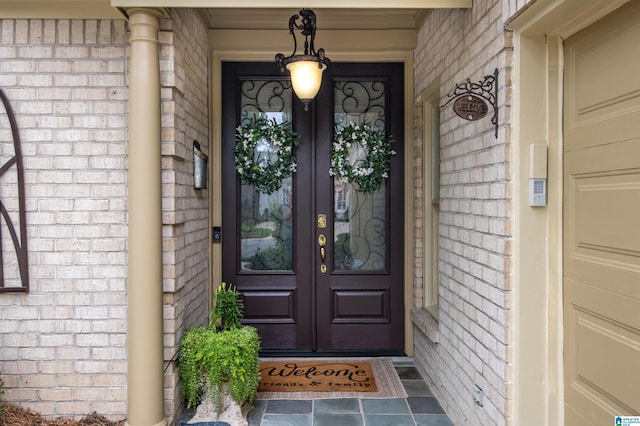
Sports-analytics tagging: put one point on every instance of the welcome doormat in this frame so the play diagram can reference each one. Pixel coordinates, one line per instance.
(329, 378)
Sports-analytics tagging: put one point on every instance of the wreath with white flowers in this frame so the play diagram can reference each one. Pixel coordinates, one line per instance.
(266, 175)
(369, 172)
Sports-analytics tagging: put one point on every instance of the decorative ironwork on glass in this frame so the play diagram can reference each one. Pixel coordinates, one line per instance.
(266, 219)
(268, 98)
(360, 219)
(360, 102)
(14, 265)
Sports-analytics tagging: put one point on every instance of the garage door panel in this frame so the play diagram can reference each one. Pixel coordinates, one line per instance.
(602, 102)
(605, 340)
(602, 238)
(572, 417)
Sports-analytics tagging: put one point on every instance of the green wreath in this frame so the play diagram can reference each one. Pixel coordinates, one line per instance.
(266, 175)
(370, 172)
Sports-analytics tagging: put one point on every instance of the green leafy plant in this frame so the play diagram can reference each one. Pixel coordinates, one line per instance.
(223, 354)
(228, 309)
(270, 259)
(2, 406)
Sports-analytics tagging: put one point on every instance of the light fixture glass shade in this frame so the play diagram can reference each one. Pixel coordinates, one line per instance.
(306, 77)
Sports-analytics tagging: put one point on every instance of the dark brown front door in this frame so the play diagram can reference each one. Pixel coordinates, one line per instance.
(271, 248)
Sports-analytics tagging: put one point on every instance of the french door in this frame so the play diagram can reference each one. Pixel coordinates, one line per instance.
(319, 263)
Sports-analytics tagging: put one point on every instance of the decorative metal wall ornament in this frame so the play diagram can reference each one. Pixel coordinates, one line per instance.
(306, 70)
(470, 99)
(19, 241)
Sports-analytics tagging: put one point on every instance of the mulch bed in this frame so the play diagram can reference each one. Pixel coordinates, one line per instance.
(18, 416)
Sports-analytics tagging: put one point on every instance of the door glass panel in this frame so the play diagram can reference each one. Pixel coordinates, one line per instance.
(266, 220)
(360, 236)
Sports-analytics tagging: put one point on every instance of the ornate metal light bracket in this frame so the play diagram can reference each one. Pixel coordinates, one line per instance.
(19, 241)
(308, 30)
(470, 99)
(306, 69)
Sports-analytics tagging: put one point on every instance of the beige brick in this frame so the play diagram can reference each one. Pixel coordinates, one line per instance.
(77, 31)
(44, 408)
(75, 408)
(74, 380)
(37, 381)
(54, 395)
(74, 141)
(19, 394)
(475, 202)
(35, 52)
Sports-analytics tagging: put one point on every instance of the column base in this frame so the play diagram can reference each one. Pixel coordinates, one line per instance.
(162, 423)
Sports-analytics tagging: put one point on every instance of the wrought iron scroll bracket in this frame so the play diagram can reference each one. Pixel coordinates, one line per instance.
(18, 236)
(470, 99)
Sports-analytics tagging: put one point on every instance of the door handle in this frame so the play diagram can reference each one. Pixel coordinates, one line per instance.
(322, 241)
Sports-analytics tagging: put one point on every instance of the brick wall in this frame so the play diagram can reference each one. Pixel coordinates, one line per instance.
(185, 118)
(63, 345)
(475, 321)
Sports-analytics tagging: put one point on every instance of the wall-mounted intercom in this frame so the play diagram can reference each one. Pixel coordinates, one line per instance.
(537, 175)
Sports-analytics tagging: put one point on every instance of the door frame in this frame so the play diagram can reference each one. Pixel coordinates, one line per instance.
(538, 372)
(341, 46)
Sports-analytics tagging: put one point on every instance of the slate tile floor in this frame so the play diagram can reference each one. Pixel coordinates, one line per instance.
(420, 408)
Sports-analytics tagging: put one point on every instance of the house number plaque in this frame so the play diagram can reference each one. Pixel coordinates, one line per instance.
(471, 100)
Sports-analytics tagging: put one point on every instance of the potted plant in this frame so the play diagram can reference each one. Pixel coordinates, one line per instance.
(222, 358)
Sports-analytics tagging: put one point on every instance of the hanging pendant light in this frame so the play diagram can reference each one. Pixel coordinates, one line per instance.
(306, 70)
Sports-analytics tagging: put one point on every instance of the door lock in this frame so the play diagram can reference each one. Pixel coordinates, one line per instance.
(322, 221)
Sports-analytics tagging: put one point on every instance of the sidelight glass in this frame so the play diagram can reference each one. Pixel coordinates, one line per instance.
(360, 219)
(266, 220)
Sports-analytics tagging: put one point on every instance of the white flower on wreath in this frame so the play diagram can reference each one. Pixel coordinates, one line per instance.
(367, 173)
(266, 176)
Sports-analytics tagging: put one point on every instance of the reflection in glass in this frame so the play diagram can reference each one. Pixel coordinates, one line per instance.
(360, 237)
(266, 220)
(266, 228)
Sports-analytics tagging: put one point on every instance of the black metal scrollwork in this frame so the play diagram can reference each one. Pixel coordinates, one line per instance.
(19, 236)
(363, 101)
(469, 99)
(259, 97)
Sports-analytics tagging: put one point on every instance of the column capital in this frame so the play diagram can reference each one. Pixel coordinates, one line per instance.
(150, 12)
